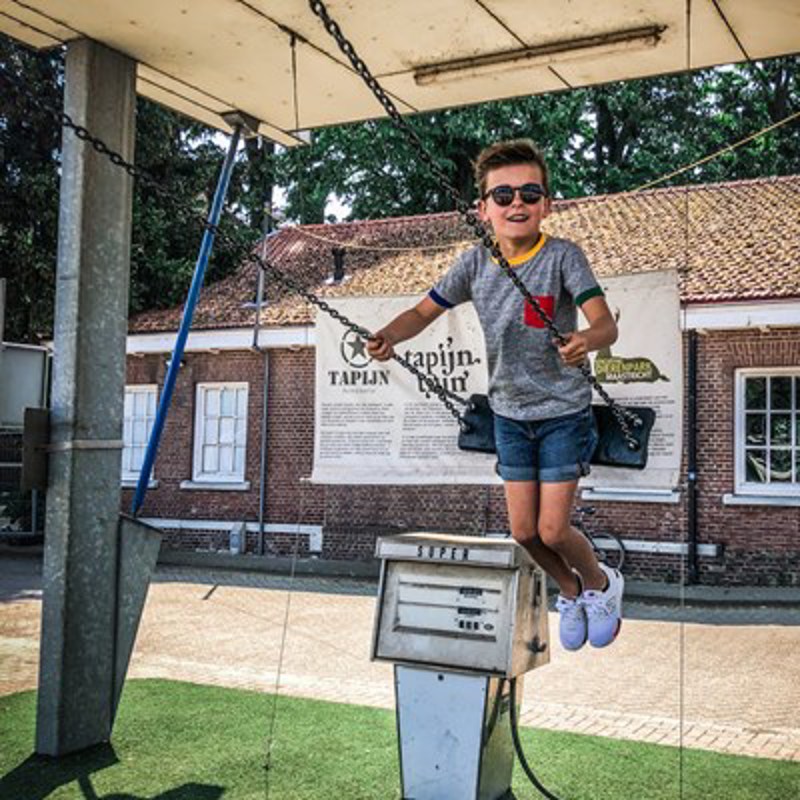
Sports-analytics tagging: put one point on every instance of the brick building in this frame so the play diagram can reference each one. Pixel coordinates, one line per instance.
(736, 248)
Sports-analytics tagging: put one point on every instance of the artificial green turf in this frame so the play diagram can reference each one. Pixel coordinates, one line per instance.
(180, 741)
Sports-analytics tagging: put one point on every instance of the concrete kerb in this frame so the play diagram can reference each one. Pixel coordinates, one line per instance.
(272, 564)
(644, 591)
(714, 595)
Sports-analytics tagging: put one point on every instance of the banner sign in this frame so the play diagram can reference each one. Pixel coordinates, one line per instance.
(376, 424)
(645, 368)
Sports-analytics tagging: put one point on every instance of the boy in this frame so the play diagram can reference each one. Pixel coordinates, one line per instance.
(544, 428)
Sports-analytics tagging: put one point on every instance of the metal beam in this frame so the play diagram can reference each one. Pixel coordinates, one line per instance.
(188, 312)
(76, 676)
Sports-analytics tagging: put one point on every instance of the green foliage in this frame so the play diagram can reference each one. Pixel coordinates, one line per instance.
(183, 157)
(372, 168)
(597, 140)
(29, 144)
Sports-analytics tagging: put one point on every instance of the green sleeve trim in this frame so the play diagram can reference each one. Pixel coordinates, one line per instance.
(595, 291)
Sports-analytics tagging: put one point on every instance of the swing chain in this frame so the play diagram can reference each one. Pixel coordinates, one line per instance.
(84, 134)
(431, 384)
(622, 415)
(445, 396)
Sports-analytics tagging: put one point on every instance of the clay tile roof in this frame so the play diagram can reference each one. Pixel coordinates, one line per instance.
(737, 241)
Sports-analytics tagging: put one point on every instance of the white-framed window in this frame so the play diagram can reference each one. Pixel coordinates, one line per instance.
(768, 431)
(138, 417)
(220, 433)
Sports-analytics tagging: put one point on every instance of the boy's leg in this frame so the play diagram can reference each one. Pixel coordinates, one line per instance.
(522, 501)
(565, 448)
(523, 512)
(555, 511)
(603, 587)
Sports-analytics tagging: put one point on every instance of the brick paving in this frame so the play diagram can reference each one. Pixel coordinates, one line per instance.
(731, 688)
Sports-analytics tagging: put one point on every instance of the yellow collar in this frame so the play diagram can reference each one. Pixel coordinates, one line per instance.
(517, 260)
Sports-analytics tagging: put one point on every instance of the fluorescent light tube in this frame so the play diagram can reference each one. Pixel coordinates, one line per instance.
(540, 55)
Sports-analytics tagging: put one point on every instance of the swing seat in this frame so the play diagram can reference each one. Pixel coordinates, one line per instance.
(612, 448)
(477, 426)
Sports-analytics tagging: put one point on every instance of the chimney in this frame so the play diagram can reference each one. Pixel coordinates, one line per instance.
(338, 264)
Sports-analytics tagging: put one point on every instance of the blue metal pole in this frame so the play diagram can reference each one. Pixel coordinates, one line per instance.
(186, 321)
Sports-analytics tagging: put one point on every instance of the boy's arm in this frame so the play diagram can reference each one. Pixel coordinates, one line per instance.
(602, 331)
(404, 326)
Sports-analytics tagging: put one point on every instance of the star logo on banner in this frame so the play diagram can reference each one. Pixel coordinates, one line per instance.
(354, 350)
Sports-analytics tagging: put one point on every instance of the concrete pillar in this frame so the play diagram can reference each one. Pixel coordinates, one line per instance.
(78, 644)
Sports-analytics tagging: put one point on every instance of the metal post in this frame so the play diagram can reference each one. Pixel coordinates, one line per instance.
(75, 708)
(186, 321)
(262, 473)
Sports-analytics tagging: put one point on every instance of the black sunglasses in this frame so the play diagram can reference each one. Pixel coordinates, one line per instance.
(529, 193)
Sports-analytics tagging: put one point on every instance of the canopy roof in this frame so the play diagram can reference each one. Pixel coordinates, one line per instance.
(273, 60)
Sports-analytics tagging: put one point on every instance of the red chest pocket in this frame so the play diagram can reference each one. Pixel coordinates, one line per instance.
(532, 319)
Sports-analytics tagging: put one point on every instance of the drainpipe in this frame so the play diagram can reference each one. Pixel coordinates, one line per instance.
(262, 477)
(691, 457)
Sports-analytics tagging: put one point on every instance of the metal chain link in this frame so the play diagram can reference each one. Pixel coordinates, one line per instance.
(445, 396)
(62, 118)
(65, 120)
(622, 415)
(430, 382)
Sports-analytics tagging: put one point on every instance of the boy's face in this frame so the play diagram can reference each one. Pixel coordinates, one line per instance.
(517, 223)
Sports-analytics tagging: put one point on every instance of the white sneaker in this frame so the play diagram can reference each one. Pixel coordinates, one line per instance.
(572, 622)
(604, 609)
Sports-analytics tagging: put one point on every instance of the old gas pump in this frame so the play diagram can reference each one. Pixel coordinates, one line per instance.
(459, 616)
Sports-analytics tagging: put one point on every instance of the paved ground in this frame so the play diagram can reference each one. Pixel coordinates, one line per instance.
(718, 678)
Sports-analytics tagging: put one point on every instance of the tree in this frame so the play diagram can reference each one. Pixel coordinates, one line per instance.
(597, 140)
(183, 157)
(745, 99)
(373, 168)
(258, 183)
(644, 129)
(29, 145)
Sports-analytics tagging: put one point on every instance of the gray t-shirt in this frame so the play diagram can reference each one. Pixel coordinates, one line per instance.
(527, 378)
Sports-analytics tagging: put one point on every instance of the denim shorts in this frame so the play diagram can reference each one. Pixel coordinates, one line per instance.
(548, 450)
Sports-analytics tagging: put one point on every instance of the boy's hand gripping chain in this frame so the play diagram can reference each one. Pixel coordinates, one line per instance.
(447, 397)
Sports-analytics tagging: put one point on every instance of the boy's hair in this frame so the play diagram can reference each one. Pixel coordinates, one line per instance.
(503, 154)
